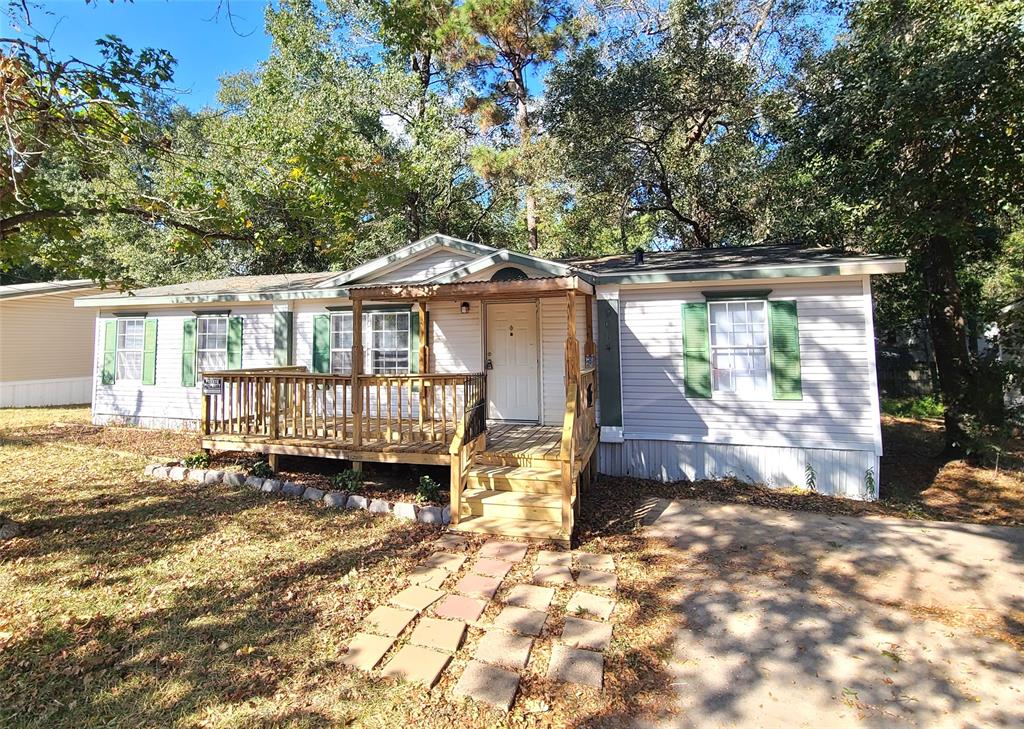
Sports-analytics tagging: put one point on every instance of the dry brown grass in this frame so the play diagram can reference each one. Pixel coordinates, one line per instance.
(132, 602)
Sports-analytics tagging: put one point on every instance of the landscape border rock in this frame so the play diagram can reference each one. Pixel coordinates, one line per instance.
(433, 515)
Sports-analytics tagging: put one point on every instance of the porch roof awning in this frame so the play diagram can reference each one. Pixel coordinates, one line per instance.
(540, 287)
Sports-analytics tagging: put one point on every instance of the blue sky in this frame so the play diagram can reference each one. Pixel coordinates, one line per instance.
(204, 44)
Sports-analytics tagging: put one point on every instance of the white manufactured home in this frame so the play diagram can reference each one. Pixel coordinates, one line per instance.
(528, 376)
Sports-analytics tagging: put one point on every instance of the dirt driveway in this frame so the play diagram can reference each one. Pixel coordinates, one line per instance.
(806, 620)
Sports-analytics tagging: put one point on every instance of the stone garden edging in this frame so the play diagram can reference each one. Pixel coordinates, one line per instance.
(435, 515)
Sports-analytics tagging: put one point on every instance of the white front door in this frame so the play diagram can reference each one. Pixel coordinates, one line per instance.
(512, 368)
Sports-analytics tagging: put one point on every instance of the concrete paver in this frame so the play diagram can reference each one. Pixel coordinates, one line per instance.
(416, 598)
(416, 664)
(460, 607)
(585, 604)
(588, 634)
(573, 665)
(554, 558)
(602, 562)
(601, 580)
(365, 651)
(548, 575)
(388, 621)
(441, 635)
(530, 596)
(507, 551)
(504, 649)
(445, 561)
(478, 586)
(491, 567)
(488, 684)
(521, 620)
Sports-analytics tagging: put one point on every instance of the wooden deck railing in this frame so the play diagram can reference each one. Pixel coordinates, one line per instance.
(296, 404)
(579, 428)
(470, 439)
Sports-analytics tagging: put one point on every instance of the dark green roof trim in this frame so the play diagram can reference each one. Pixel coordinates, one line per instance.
(740, 274)
(735, 294)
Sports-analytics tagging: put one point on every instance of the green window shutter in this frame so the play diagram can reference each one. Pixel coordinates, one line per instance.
(235, 343)
(188, 354)
(149, 353)
(322, 343)
(282, 338)
(785, 350)
(414, 342)
(109, 372)
(696, 350)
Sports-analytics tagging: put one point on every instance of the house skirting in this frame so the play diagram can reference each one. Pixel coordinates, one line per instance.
(39, 393)
(836, 472)
(145, 421)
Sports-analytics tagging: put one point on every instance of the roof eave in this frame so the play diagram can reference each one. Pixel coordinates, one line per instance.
(185, 299)
(801, 270)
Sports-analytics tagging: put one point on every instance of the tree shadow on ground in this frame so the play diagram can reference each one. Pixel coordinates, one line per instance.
(771, 596)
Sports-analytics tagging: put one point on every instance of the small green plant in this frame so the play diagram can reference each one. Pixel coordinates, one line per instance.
(870, 487)
(199, 459)
(810, 478)
(429, 489)
(348, 480)
(261, 469)
(925, 406)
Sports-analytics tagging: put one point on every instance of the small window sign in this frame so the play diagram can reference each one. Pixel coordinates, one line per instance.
(213, 385)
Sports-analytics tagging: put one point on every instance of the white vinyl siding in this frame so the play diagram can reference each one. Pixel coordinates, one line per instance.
(457, 343)
(553, 331)
(167, 403)
(425, 267)
(130, 335)
(836, 410)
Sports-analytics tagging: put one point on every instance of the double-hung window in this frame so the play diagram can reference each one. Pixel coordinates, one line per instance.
(385, 342)
(388, 348)
(130, 338)
(341, 343)
(212, 343)
(739, 347)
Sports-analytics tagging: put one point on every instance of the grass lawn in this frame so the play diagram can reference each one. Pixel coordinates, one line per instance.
(131, 602)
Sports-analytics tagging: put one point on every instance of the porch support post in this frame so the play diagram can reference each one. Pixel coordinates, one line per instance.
(590, 348)
(357, 369)
(424, 353)
(424, 362)
(572, 344)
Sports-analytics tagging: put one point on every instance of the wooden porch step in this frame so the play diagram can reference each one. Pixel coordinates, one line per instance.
(513, 505)
(532, 479)
(525, 528)
(499, 458)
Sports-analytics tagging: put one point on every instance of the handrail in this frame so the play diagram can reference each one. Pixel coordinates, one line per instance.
(294, 403)
(472, 429)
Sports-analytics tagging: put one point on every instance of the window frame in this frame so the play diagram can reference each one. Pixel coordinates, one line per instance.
(370, 328)
(199, 338)
(762, 394)
(119, 349)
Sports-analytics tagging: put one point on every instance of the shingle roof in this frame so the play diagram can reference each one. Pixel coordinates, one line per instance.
(736, 256)
(231, 285)
(44, 287)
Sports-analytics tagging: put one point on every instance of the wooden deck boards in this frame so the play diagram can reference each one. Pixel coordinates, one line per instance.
(529, 442)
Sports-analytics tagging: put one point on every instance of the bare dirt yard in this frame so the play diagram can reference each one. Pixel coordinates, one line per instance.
(133, 602)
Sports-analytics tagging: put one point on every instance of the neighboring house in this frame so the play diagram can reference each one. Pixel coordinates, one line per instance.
(756, 362)
(45, 344)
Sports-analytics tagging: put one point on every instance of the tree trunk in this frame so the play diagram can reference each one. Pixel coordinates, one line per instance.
(949, 338)
(525, 140)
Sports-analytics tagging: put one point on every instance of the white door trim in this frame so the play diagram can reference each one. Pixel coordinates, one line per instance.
(538, 343)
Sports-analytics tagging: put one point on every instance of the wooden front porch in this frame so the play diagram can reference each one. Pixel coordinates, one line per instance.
(506, 479)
